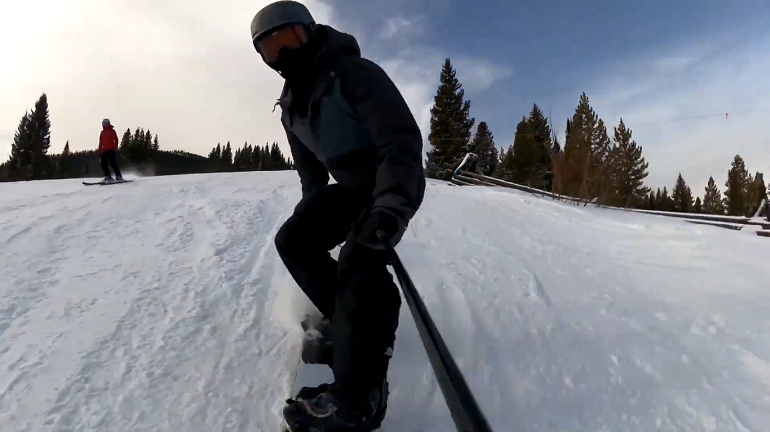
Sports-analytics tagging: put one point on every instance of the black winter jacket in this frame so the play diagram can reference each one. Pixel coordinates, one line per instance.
(358, 128)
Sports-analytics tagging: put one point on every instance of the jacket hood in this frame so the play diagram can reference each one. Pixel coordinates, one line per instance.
(333, 44)
(336, 44)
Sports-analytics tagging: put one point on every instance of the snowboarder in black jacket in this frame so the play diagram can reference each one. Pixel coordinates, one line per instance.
(343, 116)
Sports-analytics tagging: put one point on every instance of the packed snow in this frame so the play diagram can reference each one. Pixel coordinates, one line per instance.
(162, 305)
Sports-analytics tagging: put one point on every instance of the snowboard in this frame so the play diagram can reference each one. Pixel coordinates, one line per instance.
(105, 183)
(311, 375)
(308, 375)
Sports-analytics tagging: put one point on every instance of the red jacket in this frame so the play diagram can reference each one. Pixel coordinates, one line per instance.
(108, 139)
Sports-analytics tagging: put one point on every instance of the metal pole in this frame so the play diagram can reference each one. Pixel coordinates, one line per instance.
(462, 405)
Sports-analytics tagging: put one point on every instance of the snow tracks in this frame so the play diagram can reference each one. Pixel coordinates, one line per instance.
(145, 310)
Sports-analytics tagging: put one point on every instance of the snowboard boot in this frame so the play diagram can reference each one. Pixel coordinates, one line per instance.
(108, 179)
(319, 410)
(119, 178)
(317, 342)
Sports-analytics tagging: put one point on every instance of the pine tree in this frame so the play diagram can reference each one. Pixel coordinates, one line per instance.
(64, 160)
(665, 202)
(247, 164)
(567, 132)
(493, 163)
(652, 205)
(450, 125)
(559, 163)
(147, 146)
(543, 134)
(712, 200)
(39, 131)
(602, 176)
(216, 154)
(682, 196)
(276, 158)
(227, 157)
(698, 208)
(630, 167)
(237, 160)
(256, 157)
(266, 157)
(135, 146)
(20, 158)
(542, 141)
(757, 193)
(483, 144)
(147, 142)
(155, 146)
(556, 149)
(749, 181)
(126, 141)
(524, 153)
(529, 161)
(506, 167)
(579, 147)
(736, 196)
(136, 140)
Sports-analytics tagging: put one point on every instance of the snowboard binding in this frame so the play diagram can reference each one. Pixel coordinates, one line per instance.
(317, 343)
(312, 409)
(296, 419)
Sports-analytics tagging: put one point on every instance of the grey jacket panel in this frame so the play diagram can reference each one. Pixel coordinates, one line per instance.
(360, 129)
(312, 173)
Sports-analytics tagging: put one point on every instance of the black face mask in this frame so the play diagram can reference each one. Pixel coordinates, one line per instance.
(295, 65)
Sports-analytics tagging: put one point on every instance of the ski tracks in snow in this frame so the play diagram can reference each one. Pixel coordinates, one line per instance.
(162, 305)
(175, 333)
(560, 322)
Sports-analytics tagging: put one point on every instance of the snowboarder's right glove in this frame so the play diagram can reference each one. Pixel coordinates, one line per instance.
(381, 226)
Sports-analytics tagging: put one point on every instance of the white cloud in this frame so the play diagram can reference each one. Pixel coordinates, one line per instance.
(675, 101)
(186, 70)
(393, 26)
(478, 74)
(674, 64)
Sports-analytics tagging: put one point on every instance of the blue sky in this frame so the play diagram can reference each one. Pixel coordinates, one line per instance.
(647, 61)
(188, 72)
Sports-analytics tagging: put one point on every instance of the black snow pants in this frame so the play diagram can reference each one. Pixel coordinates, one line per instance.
(356, 292)
(109, 158)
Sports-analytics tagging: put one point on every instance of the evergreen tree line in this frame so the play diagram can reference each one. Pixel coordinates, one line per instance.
(743, 194)
(593, 163)
(139, 147)
(140, 150)
(250, 158)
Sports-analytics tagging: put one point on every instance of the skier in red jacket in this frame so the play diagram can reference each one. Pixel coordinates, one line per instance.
(108, 148)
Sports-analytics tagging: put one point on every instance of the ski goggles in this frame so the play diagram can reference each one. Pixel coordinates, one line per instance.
(269, 46)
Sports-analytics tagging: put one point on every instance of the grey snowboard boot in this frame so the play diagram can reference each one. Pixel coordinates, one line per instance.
(319, 410)
(317, 343)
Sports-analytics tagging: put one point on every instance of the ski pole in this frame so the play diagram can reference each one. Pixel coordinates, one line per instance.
(465, 412)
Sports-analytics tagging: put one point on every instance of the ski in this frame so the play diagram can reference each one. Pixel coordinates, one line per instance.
(106, 183)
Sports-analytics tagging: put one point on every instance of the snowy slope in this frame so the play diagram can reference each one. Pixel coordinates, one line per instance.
(161, 305)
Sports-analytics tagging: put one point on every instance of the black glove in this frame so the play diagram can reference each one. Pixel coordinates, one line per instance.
(380, 226)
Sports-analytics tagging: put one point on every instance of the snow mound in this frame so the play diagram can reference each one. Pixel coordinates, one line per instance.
(161, 305)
